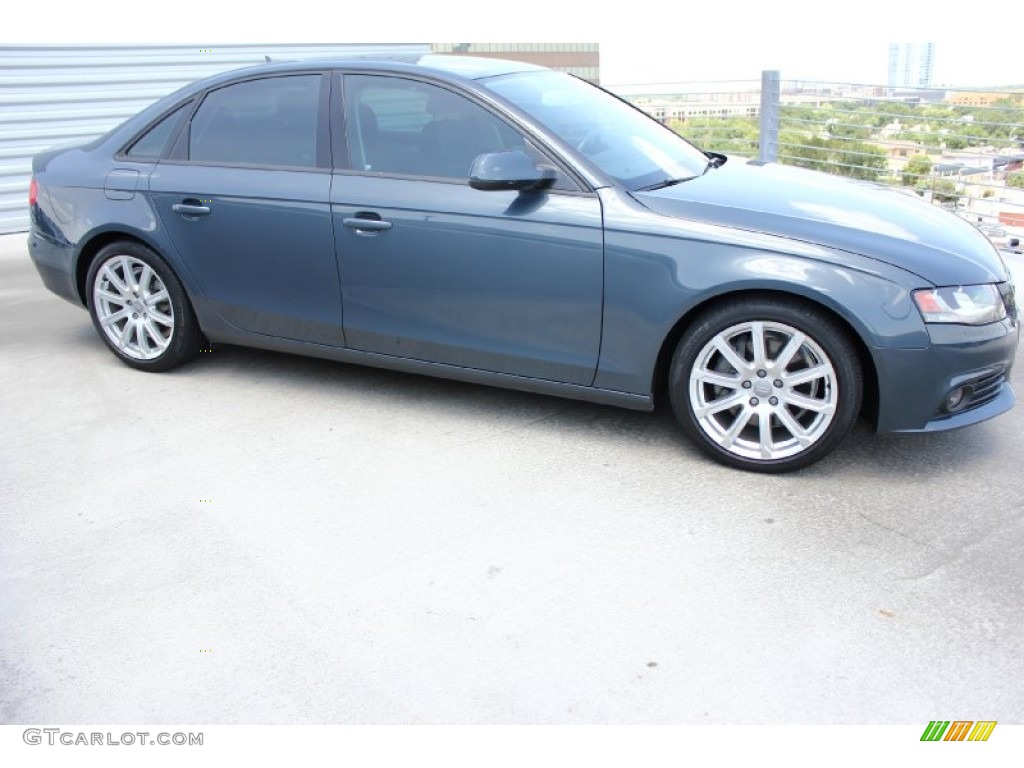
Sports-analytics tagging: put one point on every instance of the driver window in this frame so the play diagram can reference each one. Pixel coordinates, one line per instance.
(404, 127)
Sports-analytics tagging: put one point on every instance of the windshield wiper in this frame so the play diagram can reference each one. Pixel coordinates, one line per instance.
(715, 160)
(665, 183)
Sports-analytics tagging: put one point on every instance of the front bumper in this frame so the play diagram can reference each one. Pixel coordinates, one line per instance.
(913, 384)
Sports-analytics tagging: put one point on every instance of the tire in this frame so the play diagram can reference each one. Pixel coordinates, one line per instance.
(140, 309)
(774, 406)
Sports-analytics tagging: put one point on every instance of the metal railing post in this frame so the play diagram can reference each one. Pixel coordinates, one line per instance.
(769, 138)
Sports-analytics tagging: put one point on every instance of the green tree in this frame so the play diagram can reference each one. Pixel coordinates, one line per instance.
(943, 190)
(843, 157)
(1015, 180)
(732, 135)
(916, 167)
(858, 159)
(931, 139)
(848, 136)
(850, 130)
(804, 151)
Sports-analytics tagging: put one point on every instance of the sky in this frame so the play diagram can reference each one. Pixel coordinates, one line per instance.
(642, 41)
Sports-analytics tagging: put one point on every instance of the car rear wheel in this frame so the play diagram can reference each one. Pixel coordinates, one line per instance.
(769, 385)
(140, 308)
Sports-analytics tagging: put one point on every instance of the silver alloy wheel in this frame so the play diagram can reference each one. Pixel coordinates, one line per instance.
(763, 390)
(133, 307)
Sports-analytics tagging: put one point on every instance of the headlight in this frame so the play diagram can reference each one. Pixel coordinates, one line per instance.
(964, 304)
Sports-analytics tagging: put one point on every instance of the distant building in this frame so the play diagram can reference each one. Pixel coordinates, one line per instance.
(993, 163)
(684, 106)
(580, 59)
(911, 65)
(682, 101)
(903, 150)
(982, 98)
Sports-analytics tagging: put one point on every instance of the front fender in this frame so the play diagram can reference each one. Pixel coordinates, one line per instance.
(659, 270)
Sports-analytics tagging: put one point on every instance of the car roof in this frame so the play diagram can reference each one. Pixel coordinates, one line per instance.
(448, 67)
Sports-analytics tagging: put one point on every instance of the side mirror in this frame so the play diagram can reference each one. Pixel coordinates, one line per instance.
(508, 170)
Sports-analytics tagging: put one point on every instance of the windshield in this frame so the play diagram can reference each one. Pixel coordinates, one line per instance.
(623, 142)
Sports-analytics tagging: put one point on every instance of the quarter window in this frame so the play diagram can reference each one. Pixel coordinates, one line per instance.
(153, 142)
(268, 122)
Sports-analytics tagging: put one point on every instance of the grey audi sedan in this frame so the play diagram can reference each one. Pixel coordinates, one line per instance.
(500, 223)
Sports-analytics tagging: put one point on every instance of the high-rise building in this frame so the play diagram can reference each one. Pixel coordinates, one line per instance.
(910, 64)
(580, 59)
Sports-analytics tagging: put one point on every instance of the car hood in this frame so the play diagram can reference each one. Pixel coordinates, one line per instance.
(868, 219)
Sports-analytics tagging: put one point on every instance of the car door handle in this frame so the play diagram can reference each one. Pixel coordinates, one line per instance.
(190, 209)
(359, 224)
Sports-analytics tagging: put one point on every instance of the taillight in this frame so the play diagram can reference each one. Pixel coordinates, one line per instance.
(33, 192)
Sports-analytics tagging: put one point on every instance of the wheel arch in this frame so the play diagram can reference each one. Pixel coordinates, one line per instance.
(96, 241)
(659, 382)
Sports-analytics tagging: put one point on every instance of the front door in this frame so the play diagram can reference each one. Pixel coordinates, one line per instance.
(432, 269)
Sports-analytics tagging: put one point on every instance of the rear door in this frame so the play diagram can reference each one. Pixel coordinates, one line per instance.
(245, 199)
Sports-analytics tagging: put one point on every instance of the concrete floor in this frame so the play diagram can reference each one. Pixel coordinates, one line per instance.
(259, 538)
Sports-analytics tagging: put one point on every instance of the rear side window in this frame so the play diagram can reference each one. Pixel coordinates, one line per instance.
(153, 142)
(269, 122)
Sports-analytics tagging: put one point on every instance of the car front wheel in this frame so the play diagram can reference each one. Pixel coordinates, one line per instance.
(140, 309)
(769, 385)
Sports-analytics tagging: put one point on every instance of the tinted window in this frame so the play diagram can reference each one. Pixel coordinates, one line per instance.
(410, 128)
(153, 141)
(259, 122)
